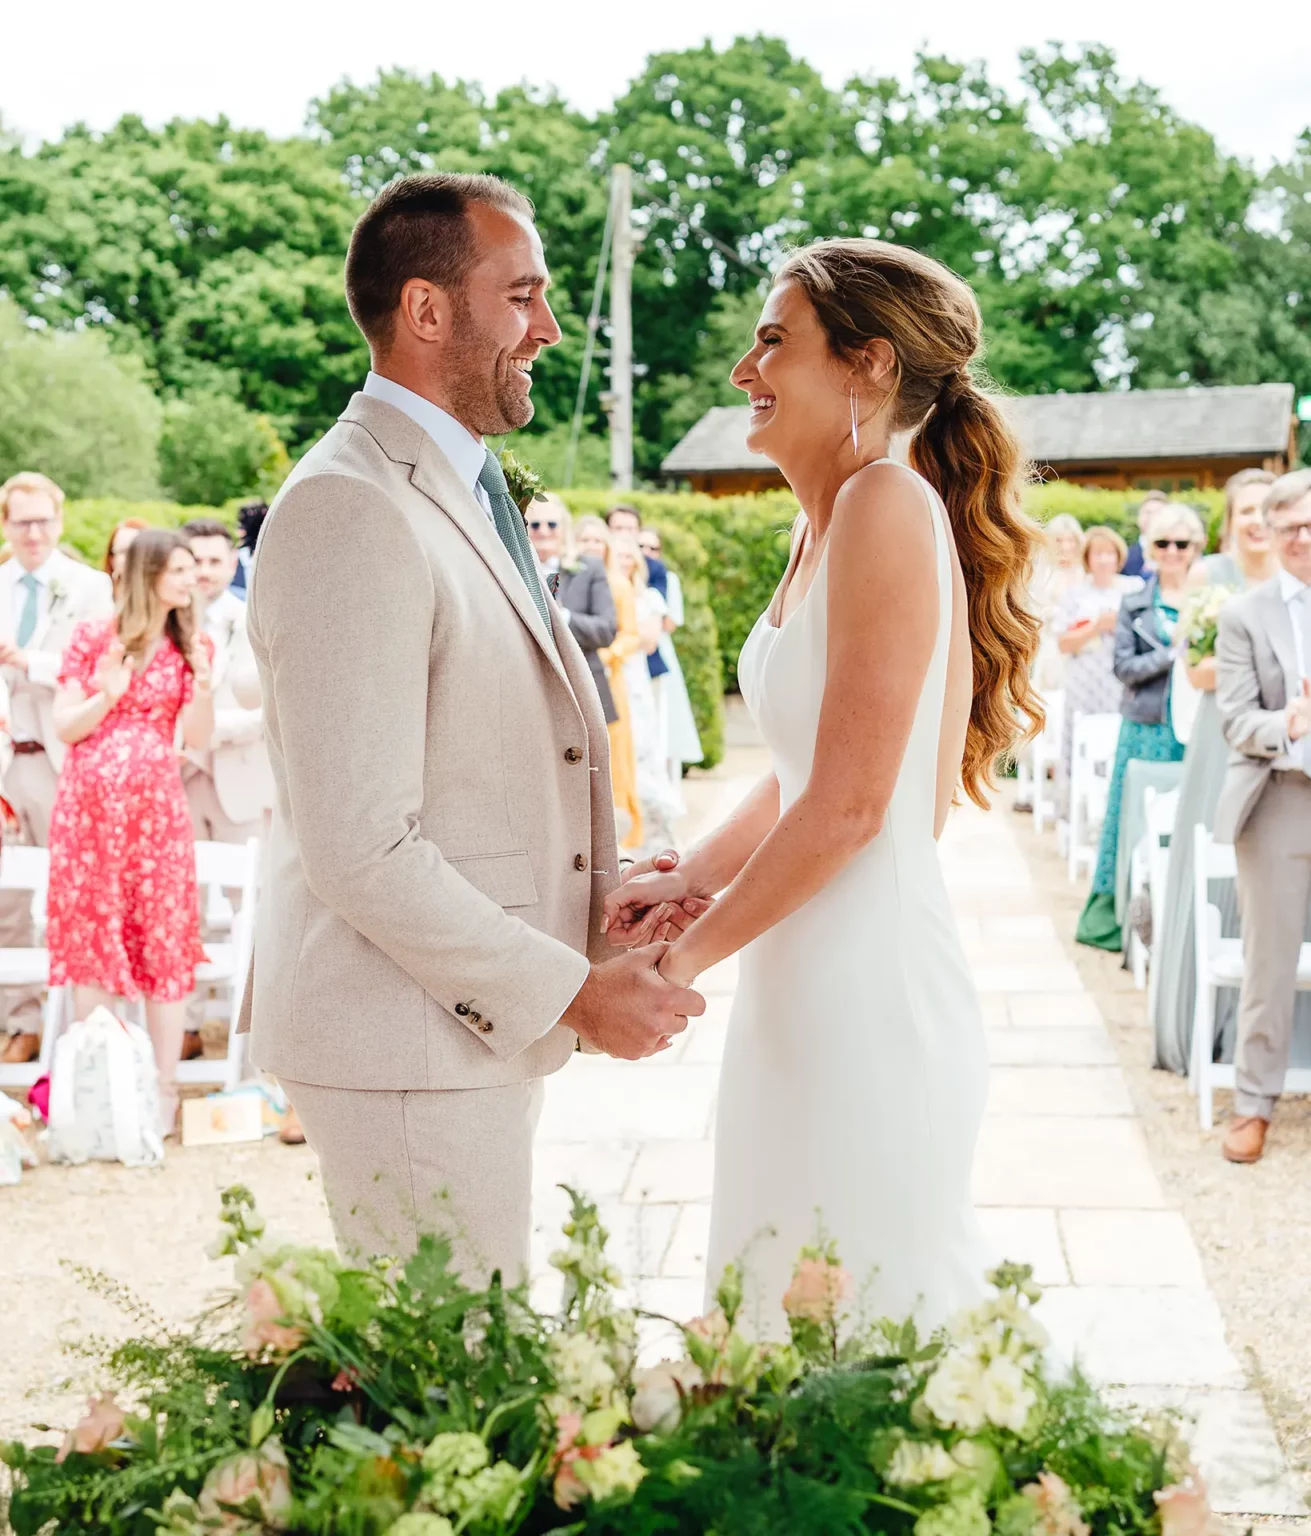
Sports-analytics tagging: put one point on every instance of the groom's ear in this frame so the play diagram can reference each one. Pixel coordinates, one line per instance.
(424, 311)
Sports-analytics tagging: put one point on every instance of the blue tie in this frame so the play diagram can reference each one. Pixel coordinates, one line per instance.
(27, 623)
(514, 535)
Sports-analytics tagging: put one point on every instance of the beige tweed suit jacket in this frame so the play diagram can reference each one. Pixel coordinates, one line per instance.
(442, 834)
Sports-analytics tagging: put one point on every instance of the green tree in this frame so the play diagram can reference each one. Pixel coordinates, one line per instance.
(212, 450)
(74, 412)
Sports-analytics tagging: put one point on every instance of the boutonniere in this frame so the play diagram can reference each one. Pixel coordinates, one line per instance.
(58, 591)
(572, 567)
(524, 483)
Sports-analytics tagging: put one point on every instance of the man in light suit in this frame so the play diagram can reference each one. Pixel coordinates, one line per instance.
(229, 786)
(44, 594)
(443, 838)
(1263, 653)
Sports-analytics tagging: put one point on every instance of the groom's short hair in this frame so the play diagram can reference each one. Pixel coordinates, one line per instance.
(417, 226)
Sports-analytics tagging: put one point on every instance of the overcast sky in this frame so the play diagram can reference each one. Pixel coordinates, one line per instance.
(1244, 71)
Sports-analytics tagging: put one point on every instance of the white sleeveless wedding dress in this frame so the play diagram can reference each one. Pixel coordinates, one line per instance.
(855, 1071)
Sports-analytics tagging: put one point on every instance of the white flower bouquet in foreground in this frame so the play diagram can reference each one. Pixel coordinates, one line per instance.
(393, 1401)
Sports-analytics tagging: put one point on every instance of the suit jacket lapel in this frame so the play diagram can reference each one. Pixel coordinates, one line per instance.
(1279, 630)
(405, 442)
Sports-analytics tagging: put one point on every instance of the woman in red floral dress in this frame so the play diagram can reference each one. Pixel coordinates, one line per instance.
(123, 910)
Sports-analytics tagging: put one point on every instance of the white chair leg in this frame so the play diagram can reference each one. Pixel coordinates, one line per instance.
(1204, 1043)
(58, 1005)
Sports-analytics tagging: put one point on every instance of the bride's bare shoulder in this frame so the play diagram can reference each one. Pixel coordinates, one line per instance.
(881, 512)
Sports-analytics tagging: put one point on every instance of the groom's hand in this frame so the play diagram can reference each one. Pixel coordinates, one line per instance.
(653, 902)
(627, 1009)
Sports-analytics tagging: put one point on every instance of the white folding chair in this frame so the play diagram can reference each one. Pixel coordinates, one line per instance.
(1220, 964)
(1147, 872)
(222, 868)
(1095, 740)
(1045, 755)
(28, 869)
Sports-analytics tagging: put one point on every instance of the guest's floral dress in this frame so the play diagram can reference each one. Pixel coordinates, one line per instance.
(123, 910)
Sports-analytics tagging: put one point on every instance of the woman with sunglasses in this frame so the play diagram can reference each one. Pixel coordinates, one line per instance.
(581, 588)
(1144, 657)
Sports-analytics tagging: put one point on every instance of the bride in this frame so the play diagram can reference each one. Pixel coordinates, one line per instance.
(891, 667)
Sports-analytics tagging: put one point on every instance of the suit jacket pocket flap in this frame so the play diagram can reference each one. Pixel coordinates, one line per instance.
(506, 877)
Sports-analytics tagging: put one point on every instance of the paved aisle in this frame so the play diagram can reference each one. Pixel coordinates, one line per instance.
(1063, 1179)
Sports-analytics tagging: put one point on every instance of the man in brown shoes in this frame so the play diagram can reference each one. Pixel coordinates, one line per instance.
(1263, 691)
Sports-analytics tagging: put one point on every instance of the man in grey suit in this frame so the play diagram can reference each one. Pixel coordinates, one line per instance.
(443, 837)
(1263, 653)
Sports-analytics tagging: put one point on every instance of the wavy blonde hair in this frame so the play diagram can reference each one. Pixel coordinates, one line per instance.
(137, 606)
(865, 290)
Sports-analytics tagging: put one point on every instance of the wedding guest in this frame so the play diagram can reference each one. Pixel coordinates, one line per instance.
(250, 519)
(1084, 625)
(1263, 693)
(624, 518)
(682, 742)
(1144, 656)
(592, 538)
(582, 592)
(116, 549)
(1059, 568)
(1247, 558)
(44, 594)
(1136, 560)
(229, 783)
(648, 741)
(123, 916)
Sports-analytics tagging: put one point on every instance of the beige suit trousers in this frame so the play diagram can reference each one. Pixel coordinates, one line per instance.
(30, 785)
(451, 1162)
(1273, 853)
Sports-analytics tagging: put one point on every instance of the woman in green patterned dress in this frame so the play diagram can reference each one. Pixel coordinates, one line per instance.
(1144, 655)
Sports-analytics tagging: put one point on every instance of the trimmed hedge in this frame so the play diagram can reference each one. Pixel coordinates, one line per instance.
(88, 524)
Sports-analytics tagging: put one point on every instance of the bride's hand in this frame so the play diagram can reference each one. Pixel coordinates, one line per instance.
(656, 901)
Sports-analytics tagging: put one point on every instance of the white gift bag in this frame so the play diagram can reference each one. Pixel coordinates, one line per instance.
(104, 1094)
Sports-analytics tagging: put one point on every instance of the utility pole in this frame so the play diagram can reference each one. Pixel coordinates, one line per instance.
(619, 404)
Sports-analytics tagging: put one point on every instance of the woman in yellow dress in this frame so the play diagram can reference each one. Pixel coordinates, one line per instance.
(592, 537)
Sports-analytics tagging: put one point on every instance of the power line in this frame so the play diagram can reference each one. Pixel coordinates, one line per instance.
(593, 323)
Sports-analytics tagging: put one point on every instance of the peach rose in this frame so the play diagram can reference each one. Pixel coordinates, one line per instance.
(817, 1291)
(98, 1428)
(1185, 1507)
(261, 1475)
(264, 1328)
(1058, 1510)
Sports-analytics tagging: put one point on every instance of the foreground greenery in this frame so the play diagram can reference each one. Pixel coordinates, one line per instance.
(383, 1400)
(1108, 238)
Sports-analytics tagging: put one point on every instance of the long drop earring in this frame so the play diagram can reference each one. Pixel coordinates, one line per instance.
(855, 429)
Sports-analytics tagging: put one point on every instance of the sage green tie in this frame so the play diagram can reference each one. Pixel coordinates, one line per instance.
(514, 535)
(27, 621)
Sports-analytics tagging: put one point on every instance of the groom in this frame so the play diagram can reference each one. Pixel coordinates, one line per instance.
(443, 835)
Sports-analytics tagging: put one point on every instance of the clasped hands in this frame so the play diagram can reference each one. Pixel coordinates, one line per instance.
(632, 1006)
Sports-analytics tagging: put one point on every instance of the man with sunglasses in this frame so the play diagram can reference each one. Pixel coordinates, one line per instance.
(1263, 653)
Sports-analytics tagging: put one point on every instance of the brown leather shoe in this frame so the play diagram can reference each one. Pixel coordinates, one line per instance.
(20, 1049)
(1245, 1139)
(290, 1133)
(192, 1045)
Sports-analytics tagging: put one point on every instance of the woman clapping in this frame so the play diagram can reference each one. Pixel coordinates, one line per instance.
(123, 911)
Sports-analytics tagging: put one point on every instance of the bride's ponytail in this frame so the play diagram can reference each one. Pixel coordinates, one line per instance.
(968, 453)
(864, 290)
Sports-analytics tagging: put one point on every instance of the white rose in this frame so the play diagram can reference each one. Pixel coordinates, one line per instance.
(1007, 1396)
(916, 1461)
(657, 1401)
(954, 1394)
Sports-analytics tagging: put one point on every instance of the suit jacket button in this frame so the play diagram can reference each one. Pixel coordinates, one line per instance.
(462, 1009)
(572, 755)
(486, 1026)
(580, 862)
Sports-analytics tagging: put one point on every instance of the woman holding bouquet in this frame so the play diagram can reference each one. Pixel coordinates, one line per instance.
(1247, 558)
(124, 920)
(1144, 658)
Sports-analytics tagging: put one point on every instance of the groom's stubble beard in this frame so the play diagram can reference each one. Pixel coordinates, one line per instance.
(487, 403)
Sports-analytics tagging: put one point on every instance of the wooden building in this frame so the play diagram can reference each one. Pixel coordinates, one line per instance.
(1176, 439)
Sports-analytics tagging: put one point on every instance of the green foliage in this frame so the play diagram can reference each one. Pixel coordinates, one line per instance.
(1109, 239)
(391, 1400)
(72, 411)
(212, 449)
(88, 524)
